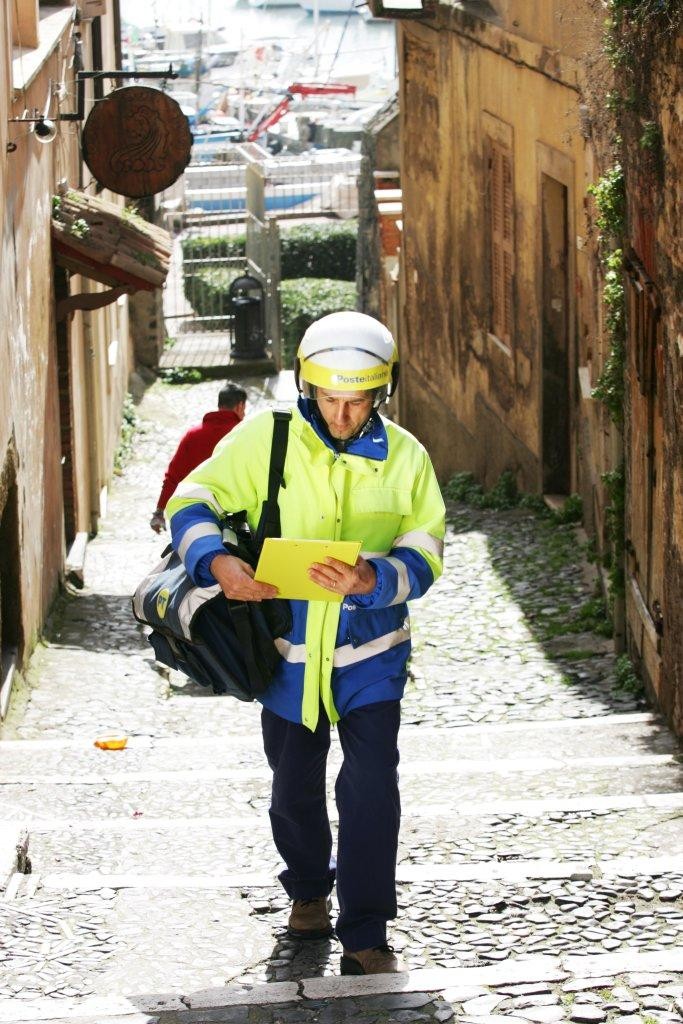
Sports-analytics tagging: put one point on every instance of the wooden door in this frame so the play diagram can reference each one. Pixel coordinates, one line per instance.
(555, 420)
(644, 465)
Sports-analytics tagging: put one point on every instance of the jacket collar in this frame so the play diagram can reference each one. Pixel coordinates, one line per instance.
(372, 444)
(226, 417)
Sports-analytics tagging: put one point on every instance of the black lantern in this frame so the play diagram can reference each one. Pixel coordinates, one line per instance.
(402, 9)
(246, 304)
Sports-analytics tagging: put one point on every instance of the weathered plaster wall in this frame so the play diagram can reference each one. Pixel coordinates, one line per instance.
(28, 402)
(456, 90)
(99, 348)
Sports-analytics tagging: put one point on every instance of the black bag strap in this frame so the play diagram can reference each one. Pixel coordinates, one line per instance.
(269, 522)
(239, 614)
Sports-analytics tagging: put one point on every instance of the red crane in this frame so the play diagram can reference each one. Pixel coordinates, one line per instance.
(267, 120)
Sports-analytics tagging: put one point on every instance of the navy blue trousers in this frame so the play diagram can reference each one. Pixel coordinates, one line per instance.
(369, 809)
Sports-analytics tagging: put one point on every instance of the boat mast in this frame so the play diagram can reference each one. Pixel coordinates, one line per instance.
(316, 26)
(198, 64)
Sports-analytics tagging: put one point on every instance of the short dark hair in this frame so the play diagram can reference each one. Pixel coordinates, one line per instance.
(230, 396)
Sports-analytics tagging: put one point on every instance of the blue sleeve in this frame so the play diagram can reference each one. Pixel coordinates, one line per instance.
(402, 576)
(196, 536)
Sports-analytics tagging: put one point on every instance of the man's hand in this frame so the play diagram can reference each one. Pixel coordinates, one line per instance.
(157, 522)
(237, 581)
(341, 578)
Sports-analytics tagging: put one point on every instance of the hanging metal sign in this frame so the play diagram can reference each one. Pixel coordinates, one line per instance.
(136, 141)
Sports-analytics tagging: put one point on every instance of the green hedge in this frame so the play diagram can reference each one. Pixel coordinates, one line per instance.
(207, 290)
(223, 246)
(320, 250)
(306, 299)
(307, 250)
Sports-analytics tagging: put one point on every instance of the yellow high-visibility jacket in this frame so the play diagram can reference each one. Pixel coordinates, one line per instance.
(382, 492)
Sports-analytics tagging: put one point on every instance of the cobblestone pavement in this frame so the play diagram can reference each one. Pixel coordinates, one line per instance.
(541, 858)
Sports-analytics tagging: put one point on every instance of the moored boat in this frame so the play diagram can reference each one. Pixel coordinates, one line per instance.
(330, 6)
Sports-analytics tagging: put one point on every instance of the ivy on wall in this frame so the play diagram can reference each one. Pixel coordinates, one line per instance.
(610, 201)
(635, 31)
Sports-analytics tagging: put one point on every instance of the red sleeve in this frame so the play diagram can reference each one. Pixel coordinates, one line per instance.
(182, 463)
(195, 446)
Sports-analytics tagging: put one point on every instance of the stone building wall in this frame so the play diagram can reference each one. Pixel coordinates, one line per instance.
(63, 384)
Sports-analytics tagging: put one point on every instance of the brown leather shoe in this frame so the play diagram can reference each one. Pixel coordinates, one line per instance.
(378, 960)
(310, 919)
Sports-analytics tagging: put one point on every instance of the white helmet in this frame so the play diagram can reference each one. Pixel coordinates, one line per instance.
(347, 351)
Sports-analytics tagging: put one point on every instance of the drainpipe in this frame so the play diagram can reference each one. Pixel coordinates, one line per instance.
(90, 360)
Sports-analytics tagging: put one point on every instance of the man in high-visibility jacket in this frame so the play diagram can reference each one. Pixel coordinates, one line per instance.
(349, 475)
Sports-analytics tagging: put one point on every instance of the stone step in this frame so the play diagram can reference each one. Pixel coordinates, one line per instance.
(538, 990)
(175, 846)
(106, 771)
(191, 794)
(489, 748)
(407, 873)
(671, 801)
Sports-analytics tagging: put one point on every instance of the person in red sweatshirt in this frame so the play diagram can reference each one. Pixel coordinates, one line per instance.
(198, 443)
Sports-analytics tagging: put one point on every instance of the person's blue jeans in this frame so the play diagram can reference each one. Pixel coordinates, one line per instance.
(369, 815)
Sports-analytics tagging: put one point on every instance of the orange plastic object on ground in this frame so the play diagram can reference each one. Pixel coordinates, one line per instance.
(111, 742)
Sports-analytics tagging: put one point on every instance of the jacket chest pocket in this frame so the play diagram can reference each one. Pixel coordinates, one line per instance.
(388, 501)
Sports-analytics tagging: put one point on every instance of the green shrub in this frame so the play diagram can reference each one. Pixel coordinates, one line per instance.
(180, 375)
(307, 250)
(462, 487)
(306, 299)
(223, 247)
(593, 616)
(625, 678)
(129, 427)
(319, 250)
(571, 511)
(504, 494)
(207, 290)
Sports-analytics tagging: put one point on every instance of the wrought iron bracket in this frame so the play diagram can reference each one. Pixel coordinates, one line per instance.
(89, 300)
(79, 113)
(83, 76)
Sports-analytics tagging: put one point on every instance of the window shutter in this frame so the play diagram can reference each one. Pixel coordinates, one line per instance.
(502, 241)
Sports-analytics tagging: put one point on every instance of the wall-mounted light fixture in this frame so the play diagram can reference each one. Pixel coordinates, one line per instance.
(401, 9)
(45, 128)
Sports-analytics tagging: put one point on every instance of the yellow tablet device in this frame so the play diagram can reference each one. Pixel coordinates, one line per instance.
(284, 563)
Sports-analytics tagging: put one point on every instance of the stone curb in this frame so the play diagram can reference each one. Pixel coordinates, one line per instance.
(457, 981)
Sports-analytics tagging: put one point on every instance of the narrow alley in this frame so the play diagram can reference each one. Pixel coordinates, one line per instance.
(541, 856)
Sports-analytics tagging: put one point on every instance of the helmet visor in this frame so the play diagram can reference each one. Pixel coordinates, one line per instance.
(327, 370)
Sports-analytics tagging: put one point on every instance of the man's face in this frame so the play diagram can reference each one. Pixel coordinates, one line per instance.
(344, 412)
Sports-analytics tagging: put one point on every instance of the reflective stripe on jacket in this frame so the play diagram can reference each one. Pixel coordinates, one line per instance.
(344, 655)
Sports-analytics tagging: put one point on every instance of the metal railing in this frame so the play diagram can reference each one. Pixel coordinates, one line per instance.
(223, 213)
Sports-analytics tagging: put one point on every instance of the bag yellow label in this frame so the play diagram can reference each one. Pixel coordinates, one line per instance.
(162, 602)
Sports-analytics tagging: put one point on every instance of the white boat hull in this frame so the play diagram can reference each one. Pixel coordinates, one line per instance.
(330, 6)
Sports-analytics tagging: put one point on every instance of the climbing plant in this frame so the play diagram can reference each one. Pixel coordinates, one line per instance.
(610, 202)
(615, 487)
